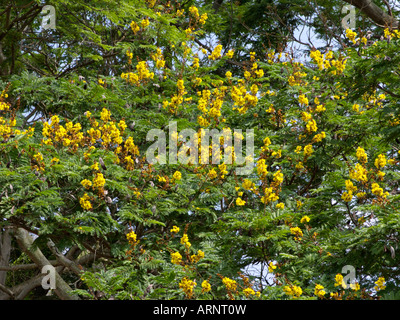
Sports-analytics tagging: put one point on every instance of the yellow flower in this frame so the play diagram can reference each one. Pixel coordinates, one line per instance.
(229, 284)
(380, 284)
(134, 26)
(247, 184)
(85, 203)
(359, 174)
(174, 229)
(380, 162)
(294, 291)
(177, 175)
(297, 232)
(280, 205)
(99, 181)
(305, 219)
(131, 236)
(187, 286)
(212, 174)
(248, 291)
(240, 202)
(271, 267)
(308, 150)
(176, 258)
(38, 157)
(230, 54)
(347, 196)
(339, 281)
(319, 291)
(355, 286)
(351, 35)
(105, 114)
(376, 190)
(206, 286)
(216, 54)
(184, 238)
(185, 241)
(144, 23)
(350, 187)
(303, 100)
(86, 183)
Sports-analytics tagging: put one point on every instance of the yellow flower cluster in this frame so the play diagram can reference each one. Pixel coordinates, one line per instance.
(56, 134)
(177, 175)
(308, 150)
(194, 258)
(142, 74)
(240, 202)
(131, 237)
(216, 54)
(206, 286)
(262, 168)
(296, 78)
(339, 64)
(158, 58)
(319, 291)
(361, 155)
(296, 231)
(143, 24)
(231, 285)
(318, 137)
(185, 241)
(174, 229)
(303, 100)
(391, 33)
(176, 258)
(380, 162)
(99, 181)
(248, 291)
(293, 290)
(380, 284)
(269, 195)
(359, 173)
(351, 35)
(305, 219)
(187, 286)
(339, 281)
(351, 188)
(85, 203)
(378, 191)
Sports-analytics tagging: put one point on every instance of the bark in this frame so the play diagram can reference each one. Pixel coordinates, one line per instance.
(5, 249)
(25, 242)
(20, 291)
(375, 13)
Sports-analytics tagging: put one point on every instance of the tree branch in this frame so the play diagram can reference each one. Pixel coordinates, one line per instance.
(374, 12)
(25, 242)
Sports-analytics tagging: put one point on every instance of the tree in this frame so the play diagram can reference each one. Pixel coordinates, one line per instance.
(111, 173)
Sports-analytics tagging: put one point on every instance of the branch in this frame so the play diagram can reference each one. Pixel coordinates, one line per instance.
(25, 242)
(9, 292)
(62, 259)
(376, 14)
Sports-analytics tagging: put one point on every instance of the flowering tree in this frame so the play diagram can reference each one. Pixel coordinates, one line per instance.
(124, 214)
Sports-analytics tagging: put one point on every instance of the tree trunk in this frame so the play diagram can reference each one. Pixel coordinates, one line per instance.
(25, 242)
(374, 12)
(5, 249)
